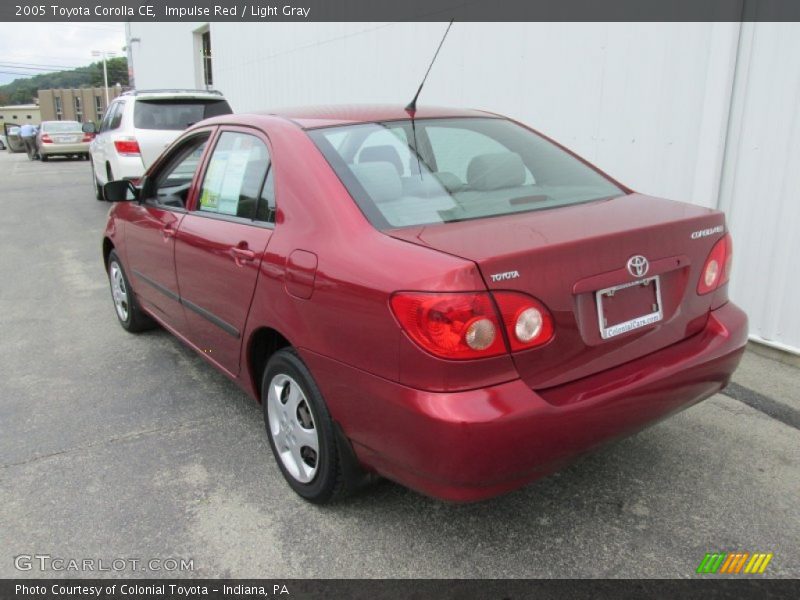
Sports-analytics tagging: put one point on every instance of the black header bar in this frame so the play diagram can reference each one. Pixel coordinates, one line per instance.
(399, 10)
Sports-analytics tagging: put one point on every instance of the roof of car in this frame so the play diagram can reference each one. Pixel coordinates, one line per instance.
(309, 117)
(168, 93)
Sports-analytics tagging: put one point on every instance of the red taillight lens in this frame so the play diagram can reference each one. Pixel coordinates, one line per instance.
(87, 137)
(46, 139)
(717, 268)
(127, 147)
(528, 322)
(451, 325)
(465, 325)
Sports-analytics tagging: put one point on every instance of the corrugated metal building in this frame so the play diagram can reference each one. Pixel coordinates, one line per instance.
(702, 112)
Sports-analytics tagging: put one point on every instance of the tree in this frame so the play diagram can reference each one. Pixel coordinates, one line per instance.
(24, 90)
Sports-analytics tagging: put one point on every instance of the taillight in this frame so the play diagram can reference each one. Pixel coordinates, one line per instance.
(87, 137)
(717, 268)
(451, 325)
(127, 147)
(46, 139)
(465, 325)
(528, 322)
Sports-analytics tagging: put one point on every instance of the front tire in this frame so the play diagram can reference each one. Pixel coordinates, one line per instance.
(317, 463)
(129, 313)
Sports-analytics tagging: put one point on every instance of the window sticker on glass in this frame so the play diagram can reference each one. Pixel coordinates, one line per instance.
(227, 170)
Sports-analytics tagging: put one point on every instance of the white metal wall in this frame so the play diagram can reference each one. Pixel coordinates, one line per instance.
(648, 102)
(761, 181)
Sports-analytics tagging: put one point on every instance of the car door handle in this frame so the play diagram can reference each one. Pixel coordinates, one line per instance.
(242, 254)
(168, 232)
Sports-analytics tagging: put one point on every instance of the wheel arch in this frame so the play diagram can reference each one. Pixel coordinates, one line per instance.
(263, 343)
(108, 246)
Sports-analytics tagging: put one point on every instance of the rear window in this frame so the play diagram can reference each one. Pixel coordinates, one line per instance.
(61, 127)
(176, 114)
(444, 170)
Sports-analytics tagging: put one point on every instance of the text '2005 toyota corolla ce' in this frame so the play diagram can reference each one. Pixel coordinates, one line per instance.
(452, 301)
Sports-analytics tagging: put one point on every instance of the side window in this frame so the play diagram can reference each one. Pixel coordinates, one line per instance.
(171, 184)
(116, 119)
(266, 204)
(234, 176)
(109, 115)
(455, 147)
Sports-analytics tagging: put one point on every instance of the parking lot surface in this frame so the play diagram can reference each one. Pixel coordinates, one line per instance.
(115, 445)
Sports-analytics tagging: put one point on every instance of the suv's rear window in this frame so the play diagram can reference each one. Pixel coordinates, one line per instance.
(443, 170)
(176, 114)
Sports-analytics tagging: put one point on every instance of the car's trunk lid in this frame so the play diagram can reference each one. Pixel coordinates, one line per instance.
(564, 256)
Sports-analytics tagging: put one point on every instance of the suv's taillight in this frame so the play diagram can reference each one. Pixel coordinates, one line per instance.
(717, 268)
(127, 147)
(466, 325)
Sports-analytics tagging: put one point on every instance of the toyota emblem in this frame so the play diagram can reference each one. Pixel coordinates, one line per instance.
(638, 265)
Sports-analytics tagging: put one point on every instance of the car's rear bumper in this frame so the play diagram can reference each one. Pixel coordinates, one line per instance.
(59, 149)
(471, 445)
(127, 167)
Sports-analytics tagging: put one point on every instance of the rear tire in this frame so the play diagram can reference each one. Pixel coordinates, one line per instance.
(44, 157)
(98, 190)
(129, 313)
(314, 457)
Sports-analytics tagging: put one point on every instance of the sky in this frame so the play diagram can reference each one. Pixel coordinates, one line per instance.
(43, 46)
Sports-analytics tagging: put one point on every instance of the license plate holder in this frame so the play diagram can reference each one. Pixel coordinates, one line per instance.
(655, 315)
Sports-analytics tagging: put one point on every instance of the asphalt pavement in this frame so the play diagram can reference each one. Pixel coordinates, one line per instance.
(120, 446)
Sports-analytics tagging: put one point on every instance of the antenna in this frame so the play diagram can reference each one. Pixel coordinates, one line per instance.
(411, 108)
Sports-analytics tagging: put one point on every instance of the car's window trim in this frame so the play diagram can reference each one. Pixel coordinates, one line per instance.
(231, 218)
(121, 110)
(248, 130)
(112, 108)
(161, 165)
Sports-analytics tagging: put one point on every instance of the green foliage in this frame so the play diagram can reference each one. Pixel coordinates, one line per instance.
(23, 91)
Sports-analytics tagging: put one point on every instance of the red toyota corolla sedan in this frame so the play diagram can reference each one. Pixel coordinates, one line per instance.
(452, 301)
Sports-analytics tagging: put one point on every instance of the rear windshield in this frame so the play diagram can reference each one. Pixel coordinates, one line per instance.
(444, 170)
(61, 127)
(176, 114)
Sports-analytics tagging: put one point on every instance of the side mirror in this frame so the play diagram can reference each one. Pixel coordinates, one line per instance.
(120, 191)
(88, 128)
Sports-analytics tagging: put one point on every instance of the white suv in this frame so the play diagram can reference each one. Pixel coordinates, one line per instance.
(140, 124)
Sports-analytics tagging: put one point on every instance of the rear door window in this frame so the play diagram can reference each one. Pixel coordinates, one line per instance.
(234, 176)
(104, 126)
(116, 120)
(176, 114)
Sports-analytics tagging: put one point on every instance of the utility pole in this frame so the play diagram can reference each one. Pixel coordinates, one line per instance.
(104, 54)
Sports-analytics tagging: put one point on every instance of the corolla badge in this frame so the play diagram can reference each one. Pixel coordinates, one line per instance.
(638, 265)
(696, 235)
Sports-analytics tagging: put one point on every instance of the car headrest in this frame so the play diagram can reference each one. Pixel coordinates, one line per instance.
(380, 179)
(383, 153)
(495, 171)
(449, 181)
